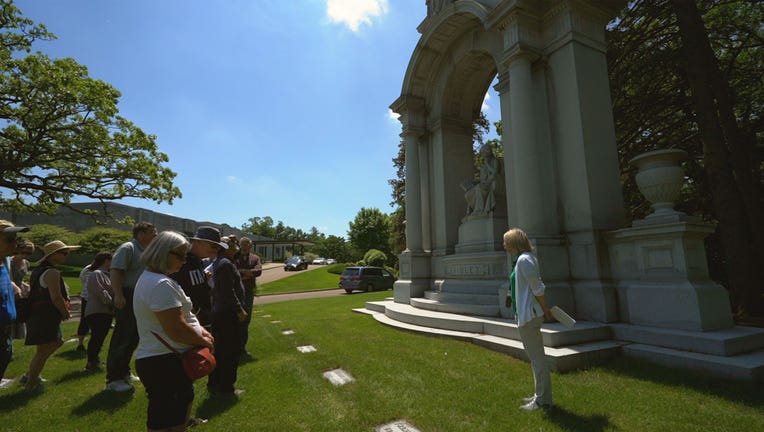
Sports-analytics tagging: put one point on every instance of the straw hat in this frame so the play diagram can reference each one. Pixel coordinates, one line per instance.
(55, 246)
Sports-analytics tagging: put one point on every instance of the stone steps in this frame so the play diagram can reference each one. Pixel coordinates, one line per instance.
(748, 367)
(726, 343)
(566, 349)
(733, 353)
(454, 297)
(489, 310)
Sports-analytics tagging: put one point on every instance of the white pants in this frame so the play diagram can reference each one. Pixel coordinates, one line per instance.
(533, 344)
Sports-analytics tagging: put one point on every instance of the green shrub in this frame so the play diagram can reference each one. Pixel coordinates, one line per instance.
(337, 268)
(375, 257)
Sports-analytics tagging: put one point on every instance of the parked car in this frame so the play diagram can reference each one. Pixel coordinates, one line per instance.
(319, 261)
(296, 262)
(366, 278)
(330, 261)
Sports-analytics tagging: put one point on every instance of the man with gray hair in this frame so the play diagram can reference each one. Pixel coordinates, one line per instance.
(250, 268)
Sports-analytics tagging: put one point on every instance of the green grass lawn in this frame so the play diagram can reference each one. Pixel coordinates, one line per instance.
(312, 280)
(436, 384)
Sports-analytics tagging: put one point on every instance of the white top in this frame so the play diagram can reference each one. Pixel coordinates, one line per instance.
(156, 292)
(528, 284)
(84, 276)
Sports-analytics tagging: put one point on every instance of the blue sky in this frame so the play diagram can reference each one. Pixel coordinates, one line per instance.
(265, 107)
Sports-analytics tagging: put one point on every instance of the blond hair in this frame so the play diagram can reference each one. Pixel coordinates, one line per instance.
(516, 239)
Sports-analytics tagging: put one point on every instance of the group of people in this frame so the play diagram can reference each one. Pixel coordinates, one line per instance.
(165, 293)
(169, 293)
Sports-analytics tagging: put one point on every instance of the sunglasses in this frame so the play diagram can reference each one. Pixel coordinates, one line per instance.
(64, 252)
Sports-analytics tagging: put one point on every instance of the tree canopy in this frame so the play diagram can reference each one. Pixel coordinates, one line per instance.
(61, 134)
(370, 229)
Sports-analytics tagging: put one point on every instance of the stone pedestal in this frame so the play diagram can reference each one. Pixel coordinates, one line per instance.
(481, 234)
(414, 277)
(664, 278)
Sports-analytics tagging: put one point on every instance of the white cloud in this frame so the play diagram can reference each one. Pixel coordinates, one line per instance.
(354, 13)
(485, 106)
(233, 179)
(393, 115)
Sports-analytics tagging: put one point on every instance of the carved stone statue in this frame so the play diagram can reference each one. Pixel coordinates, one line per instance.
(481, 195)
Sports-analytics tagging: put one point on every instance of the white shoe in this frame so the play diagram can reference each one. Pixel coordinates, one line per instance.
(5, 383)
(119, 386)
(529, 399)
(131, 378)
(533, 406)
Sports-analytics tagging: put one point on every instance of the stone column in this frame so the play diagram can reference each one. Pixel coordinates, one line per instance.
(523, 151)
(502, 88)
(414, 261)
(411, 135)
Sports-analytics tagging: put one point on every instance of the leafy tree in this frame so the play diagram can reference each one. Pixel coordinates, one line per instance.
(61, 134)
(41, 234)
(689, 74)
(334, 247)
(100, 239)
(370, 230)
(262, 226)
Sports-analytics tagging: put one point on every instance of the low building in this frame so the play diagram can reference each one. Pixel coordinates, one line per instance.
(268, 248)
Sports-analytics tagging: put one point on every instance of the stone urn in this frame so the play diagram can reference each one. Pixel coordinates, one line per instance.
(660, 179)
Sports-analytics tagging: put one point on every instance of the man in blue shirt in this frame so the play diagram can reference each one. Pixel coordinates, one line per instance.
(7, 292)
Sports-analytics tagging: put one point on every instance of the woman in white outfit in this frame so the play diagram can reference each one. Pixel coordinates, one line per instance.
(162, 308)
(528, 302)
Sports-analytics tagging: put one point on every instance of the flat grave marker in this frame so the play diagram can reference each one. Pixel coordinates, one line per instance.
(338, 377)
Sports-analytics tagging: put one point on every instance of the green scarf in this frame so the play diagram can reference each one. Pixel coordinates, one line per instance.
(512, 288)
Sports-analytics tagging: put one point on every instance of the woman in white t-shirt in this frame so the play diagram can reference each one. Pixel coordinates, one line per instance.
(163, 308)
(529, 304)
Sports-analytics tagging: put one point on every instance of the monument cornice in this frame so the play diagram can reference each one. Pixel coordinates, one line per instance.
(412, 113)
(579, 21)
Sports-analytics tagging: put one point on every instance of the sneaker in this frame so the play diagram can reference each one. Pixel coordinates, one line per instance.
(24, 379)
(5, 383)
(131, 378)
(533, 406)
(195, 421)
(529, 399)
(119, 386)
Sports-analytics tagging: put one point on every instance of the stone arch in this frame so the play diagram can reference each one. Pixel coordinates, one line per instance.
(449, 73)
(555, 107)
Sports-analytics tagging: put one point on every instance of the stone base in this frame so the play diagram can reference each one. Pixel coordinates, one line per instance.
(663, 277)
(414, 277)
(685, 305)
(481, 235)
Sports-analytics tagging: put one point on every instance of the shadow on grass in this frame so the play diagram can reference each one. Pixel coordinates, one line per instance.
(103, 401)
(746, 393)
(72, 354)
(567, 420)
(77, 374)
(16, 399)
(215, 405)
